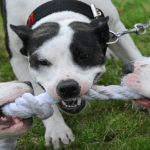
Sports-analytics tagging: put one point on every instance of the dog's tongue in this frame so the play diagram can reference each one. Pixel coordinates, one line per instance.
(143, 102)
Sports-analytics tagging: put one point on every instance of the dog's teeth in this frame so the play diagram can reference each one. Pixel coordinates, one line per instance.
(64, 103)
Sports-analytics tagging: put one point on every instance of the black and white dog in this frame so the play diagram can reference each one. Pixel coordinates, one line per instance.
(63, 52)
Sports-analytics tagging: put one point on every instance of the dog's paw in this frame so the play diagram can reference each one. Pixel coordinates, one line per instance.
(59, 132)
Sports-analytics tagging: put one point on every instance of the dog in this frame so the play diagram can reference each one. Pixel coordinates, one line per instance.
(62, 53)
(136, 77)
(13, 127)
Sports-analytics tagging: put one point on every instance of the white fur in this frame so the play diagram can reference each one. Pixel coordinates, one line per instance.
(56, 50)
(139, 80)
(124, 49)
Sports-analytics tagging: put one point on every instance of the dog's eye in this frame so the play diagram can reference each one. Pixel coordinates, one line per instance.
(84, 57)
(44, 62)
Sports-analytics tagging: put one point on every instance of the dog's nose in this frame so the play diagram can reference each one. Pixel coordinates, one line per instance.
(127, 68)
(68, 89)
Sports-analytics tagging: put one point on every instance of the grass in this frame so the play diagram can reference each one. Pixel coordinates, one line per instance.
(105, 125)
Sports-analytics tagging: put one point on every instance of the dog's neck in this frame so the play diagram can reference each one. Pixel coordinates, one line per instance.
(56, 11)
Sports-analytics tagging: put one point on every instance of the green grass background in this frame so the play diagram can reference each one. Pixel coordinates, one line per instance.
(107, 125)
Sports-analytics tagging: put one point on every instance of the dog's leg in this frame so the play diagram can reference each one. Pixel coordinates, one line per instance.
(125, 49)
(57, 130)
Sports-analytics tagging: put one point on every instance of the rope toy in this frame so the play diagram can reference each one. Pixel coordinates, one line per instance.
(40, 106)
(29, 105)
(110, 92)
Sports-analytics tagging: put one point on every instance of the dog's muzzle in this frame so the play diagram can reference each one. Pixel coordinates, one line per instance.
(70, 89)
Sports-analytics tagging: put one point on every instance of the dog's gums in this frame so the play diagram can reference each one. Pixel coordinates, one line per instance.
(14, 126)
(12, 123)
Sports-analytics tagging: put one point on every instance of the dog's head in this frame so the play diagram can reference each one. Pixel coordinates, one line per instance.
(136, 77)
(66, 58)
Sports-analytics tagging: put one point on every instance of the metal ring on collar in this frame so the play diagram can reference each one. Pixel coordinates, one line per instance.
(113, 38)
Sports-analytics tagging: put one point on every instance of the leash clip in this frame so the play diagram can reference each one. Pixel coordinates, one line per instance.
(96, 12)
(114, 37)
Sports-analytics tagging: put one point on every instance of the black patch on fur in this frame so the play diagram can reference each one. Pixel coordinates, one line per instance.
(4, 15)
(29, 84)
(89, 41)
(143, 65)
(41, 34)
(35, 62)
(41, 86)
(33, 39)
(24, 33)
(127, 68)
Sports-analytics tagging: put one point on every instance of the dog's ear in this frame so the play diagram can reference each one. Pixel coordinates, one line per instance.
(101, 28)
(24, 33)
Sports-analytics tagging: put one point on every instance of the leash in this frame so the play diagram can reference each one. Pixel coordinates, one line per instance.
(139, 29)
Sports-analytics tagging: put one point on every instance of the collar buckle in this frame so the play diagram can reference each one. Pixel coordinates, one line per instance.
(96, 12)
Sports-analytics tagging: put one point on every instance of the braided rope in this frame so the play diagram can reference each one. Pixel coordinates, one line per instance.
(29, 105)
(40, 106)
(111, 92)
